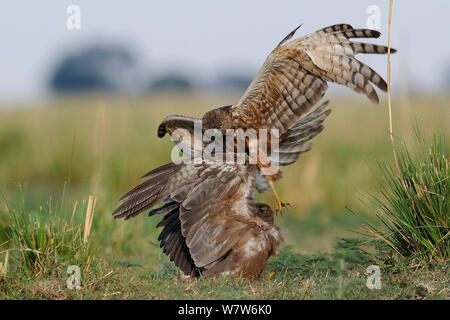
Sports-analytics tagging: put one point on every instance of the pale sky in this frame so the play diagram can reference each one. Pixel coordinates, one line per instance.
(208, 36)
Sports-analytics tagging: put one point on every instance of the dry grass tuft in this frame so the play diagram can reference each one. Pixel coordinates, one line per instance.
(89, 217)
(4, 265)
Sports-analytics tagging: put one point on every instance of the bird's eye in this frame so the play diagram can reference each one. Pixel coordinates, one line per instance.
(221, 126)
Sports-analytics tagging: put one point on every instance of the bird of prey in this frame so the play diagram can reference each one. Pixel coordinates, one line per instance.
(211, 222)
(293, 79)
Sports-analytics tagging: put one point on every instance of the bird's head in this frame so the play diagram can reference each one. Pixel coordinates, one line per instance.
(217, 119)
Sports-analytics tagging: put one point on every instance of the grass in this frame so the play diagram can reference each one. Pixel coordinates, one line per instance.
(337, 275)
(414, 207)
(115, 144)
(46, 239)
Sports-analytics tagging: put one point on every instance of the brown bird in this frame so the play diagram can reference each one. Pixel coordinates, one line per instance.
(212, 224)
(293, 79)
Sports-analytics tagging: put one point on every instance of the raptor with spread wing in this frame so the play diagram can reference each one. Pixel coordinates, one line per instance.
(211, 222)
(292, 79)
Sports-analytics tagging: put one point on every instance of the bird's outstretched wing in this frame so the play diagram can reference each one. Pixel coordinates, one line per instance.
(294, 76)
(217, 212)
(181, 131)
(173, 122)
(216, 207)
(295, 141)
(258, 239)
(171, 239)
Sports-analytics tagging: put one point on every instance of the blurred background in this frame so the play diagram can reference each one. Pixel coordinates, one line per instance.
(84, 84)
(201, 45)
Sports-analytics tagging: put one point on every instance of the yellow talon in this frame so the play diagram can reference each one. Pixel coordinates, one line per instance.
(280, 204)
(270, 275)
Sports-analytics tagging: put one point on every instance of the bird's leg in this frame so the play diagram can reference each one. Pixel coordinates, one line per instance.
(280, 204)
(271, 173)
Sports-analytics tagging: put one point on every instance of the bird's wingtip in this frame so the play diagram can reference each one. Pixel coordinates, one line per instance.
(162, 130)
(290, 35)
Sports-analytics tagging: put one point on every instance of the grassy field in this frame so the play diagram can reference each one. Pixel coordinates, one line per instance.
(101, 146)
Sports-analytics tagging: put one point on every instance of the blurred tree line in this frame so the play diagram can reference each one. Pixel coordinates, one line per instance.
(93, 69)
(113, 68)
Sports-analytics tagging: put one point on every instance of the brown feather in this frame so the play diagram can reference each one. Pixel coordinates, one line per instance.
(293, 77)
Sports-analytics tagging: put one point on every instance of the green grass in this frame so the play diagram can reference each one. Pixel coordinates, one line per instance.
(45, 239)
(116, 143)
(414, 208)
(340, 274)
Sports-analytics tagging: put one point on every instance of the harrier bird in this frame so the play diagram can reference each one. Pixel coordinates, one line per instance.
(292, 79)
(212, 223)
